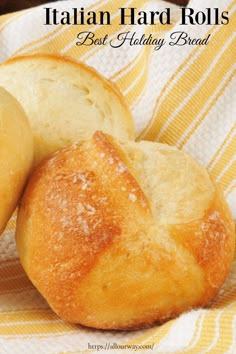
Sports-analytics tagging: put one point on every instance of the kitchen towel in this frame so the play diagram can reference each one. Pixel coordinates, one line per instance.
(179, 95)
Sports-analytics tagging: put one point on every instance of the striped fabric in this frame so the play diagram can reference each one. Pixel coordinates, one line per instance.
(183, 96)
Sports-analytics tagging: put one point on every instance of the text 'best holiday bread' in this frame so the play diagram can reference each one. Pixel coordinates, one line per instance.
(65, 101)
(124, 235)
(16, 154)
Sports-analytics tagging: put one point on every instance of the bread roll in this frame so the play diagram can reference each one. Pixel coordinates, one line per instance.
(124, 235)
(65, 101)
(16, 154)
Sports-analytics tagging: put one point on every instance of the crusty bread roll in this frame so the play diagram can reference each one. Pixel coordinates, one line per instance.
(16, 154)
(124, 235)
(65, 101)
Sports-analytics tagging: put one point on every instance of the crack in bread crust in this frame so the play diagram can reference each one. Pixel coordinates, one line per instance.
(108, 260)
(65, 101)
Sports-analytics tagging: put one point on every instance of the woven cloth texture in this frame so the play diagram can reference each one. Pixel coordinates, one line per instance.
(182, 95)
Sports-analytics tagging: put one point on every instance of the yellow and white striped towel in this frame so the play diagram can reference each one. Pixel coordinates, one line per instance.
(184, 96)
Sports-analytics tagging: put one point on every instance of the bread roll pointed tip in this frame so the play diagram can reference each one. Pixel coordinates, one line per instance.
(123, 235)
(65, 100)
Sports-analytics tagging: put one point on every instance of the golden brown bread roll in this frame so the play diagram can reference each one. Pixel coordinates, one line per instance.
(124, 235)
(16, 154)
(64, 100)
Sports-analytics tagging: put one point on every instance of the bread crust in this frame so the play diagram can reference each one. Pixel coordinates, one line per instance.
(16, 154)
(94, 72)
(65, 100)
(91, 242)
